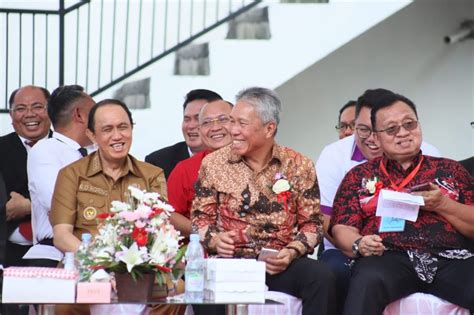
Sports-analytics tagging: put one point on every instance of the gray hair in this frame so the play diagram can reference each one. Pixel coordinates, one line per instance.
(266, 102)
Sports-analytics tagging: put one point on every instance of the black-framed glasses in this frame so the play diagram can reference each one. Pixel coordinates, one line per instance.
(393, 130)
(36, 108)
(363, 131)
(343, 126)
(221, 120)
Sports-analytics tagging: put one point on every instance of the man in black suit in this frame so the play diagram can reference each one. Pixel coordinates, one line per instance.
(31, 124)
(167, 158)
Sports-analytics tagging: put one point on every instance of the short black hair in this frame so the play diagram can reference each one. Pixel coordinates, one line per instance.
(376, 99)
(61, 102)
(108, 101)
(46, 93)
(346, 106)
(200, 94)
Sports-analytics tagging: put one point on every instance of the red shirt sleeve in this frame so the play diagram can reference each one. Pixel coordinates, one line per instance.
(177, 195)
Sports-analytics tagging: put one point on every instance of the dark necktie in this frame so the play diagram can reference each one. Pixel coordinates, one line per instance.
(30, 143)
(82, 151)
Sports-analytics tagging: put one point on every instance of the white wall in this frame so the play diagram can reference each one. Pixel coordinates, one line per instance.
(404, 53)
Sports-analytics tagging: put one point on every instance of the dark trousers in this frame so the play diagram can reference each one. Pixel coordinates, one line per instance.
(305, 278)
(379, 280)
(339, 265)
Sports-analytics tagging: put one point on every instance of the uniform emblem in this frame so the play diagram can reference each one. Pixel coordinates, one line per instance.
(90, 213)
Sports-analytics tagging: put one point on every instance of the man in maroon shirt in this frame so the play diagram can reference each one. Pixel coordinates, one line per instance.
(214, 132)
(434, 254)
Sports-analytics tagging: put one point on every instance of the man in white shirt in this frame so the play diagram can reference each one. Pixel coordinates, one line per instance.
(68, 109)
(335, 161)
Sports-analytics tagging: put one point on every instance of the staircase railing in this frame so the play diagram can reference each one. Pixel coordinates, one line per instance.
(99, 43)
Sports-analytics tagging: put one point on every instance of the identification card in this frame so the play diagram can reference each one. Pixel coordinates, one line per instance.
(391, 224)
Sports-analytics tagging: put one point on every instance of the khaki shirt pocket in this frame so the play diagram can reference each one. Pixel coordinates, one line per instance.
(90, 205)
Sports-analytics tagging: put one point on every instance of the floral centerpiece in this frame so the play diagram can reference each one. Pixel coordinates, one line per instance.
(135, 237)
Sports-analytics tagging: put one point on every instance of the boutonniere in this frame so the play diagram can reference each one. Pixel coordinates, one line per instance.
(373, 186)
(282, 187)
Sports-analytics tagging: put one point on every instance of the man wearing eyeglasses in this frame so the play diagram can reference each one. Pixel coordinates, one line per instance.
(434, 253)
(31, 124)
(335, 161)
(345, 124)
(214, 132)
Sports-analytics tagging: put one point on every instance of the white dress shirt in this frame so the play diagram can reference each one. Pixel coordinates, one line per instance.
(335, 161)
(45, 160)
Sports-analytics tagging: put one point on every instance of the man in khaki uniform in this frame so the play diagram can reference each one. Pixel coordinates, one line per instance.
(86, 188)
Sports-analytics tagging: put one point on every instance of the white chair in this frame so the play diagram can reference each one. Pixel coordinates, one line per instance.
(421, 304)
(291, 305)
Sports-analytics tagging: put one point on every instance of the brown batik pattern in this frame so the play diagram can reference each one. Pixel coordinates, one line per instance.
(231, 196)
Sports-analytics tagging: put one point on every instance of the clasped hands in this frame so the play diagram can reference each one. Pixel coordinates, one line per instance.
(224, 245)
(371, 245)
(17, 207)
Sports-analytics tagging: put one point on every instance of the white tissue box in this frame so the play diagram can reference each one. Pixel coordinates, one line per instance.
(235, 281)
(38, 285)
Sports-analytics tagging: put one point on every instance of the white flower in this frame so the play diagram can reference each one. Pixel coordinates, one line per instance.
(370, 185)
(143, 211)
(280, 186)
(136, 193)
(118, 206)
(165, 246)
(132, 256)
(150, 197)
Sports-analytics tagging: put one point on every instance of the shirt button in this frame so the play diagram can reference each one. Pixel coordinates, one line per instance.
(246, 207)
(242, 214)
(114, 187)
(246, 195)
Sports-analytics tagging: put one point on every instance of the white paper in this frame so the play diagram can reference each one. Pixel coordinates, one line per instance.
(40, 251)
(399, 205)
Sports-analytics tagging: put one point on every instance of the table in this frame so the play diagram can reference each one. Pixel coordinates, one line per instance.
(231, 309)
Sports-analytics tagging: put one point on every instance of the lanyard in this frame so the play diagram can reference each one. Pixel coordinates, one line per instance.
(406, 180)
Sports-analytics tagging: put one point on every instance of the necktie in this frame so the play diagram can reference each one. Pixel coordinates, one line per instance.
(82, 151)
(30, 143)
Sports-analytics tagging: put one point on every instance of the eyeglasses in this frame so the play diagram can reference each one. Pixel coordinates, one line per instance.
(221, 120)
(393, 130)
(363, 132)
(36, 108)
(343, 126)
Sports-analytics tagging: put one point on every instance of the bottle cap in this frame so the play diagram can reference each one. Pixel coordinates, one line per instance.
(194, 237)
(86, 236)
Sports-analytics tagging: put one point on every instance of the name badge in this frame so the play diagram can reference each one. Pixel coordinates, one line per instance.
(391, 224)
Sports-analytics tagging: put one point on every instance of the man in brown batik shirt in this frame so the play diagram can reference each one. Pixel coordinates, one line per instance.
(255, 193)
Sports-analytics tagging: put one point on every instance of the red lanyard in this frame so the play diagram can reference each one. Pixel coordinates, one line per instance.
(406, 180)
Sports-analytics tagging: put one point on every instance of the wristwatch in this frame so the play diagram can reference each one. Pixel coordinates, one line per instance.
(355, 247)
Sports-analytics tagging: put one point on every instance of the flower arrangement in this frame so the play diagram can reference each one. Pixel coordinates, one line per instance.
(134, 237)
(282, 187)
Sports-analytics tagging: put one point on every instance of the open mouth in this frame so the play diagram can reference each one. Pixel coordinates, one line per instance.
(118, 147)
(32, 124)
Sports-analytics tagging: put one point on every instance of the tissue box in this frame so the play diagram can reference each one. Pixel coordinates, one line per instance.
(235, 281)
(93, 292)
(235, 270)
(38, 285)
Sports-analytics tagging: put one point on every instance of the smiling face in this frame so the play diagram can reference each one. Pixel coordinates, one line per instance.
(370, 147)
(347, 119)
(29, 115)
(190, 125)
(215, 124)
(113, 133)
(250, 136)
(404, 145)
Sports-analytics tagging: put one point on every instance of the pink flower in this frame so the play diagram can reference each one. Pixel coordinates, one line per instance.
(129, 215)
(140, 224)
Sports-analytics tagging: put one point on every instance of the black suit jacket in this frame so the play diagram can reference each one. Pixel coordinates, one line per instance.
(13, 158)
(168, 157)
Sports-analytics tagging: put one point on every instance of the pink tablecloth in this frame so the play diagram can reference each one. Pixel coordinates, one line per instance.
(421, 303)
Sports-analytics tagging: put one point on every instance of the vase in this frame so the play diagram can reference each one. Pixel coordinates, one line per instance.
(139, 290)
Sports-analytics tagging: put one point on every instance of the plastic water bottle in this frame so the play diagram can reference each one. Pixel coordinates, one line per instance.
(69, 261)
(194, 272)
(81, 254)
